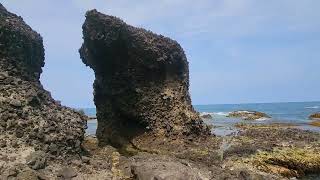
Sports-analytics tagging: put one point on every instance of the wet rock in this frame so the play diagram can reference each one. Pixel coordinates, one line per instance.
(315, 116)
(206, 116)
(142, 82)
(248, 115)
(67, 173)
(37, 160)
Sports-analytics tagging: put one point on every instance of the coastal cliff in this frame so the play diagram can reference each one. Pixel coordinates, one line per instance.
(28, 114)
(141, 85)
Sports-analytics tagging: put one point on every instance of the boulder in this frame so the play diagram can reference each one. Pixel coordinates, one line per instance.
(141, 85)
(248, 115)
(26, 109)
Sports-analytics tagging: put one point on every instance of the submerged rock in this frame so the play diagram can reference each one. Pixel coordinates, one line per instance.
(142, 82)
(28, 114)
(206, 116)
(248, 115)
(315, 116)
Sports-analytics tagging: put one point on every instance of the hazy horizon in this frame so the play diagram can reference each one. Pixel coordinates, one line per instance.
(232, 104)
(239, 52)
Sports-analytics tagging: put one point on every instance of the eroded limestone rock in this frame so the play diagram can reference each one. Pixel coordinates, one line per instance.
(28, 114)
(142, 82)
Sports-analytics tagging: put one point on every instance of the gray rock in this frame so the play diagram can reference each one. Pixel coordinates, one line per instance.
(85, 159)
(67, 173)
(37, 160)
(3, 143)
(206, 116)
(166, 168)
(3, 75)
(15, 103)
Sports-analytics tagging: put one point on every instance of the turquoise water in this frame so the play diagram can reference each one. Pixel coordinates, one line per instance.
(291, 112)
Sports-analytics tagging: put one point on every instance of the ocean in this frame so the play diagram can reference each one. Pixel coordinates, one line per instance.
(296, 113)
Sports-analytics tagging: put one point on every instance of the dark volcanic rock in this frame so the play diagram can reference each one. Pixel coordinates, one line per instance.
(142, 82)
(28, 114)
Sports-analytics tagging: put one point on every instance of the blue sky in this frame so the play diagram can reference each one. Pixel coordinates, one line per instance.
(240, 51)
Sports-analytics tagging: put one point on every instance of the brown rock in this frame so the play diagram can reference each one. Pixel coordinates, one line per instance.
(314, 116)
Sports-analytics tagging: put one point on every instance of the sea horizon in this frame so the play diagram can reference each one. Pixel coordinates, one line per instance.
(278, 102)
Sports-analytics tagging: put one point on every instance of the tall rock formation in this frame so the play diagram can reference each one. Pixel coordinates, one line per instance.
(28, 114)
(142, 82)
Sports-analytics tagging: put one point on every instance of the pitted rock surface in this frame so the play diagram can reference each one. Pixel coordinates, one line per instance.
(28, 113)
(142, 82)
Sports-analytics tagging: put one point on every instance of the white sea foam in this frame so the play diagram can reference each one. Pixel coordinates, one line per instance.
(221, 113)
(263, 119)
(215, 113)
(313, 107)
(206, 113)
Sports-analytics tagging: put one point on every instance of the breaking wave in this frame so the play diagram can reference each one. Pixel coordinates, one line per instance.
(313, 107)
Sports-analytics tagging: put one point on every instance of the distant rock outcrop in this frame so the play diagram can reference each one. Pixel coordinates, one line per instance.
(315, 116)
(28, 114)
(206, 116)
(142, 82)
(248, 115)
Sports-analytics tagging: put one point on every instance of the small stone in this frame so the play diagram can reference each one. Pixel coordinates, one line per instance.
(19, 133)
(53, 148)
(3, 75)
(67, 173)
(37, 160)
(14, 143)
(3, 143)
(15, 103)
(77, 163)
(85, 159)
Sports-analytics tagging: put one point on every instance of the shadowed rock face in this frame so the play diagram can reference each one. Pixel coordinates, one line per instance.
(28, 114)
(142, 82)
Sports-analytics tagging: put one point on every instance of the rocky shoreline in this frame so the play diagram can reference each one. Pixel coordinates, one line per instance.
(158, 135)
(248, 115)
